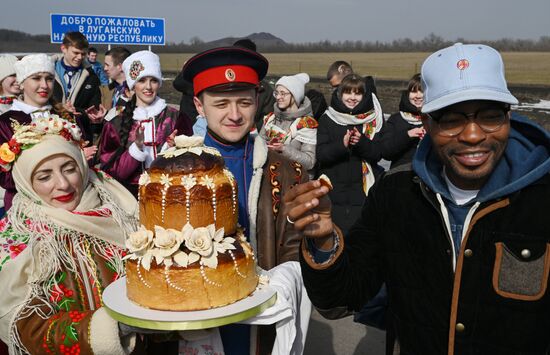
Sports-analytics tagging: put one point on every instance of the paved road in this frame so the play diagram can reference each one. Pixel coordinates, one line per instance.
(342, 337)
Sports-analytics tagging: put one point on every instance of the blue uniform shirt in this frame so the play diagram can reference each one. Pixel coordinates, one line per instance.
(238, 159)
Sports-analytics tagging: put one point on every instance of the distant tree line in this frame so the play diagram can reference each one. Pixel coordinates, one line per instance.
(16, 41)
(429, 43)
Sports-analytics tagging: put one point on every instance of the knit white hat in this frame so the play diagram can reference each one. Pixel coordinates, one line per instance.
(141, 64)
(6, 66)
(296, 85)
(32, 64)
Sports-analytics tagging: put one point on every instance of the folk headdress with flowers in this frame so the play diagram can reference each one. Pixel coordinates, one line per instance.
(26, 136)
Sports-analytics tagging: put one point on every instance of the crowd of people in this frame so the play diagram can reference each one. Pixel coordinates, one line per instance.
(452, 235)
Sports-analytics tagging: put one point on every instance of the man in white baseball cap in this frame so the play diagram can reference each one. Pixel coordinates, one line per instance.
(461, 240)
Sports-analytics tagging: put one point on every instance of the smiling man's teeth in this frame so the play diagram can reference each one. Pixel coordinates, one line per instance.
(473, 155)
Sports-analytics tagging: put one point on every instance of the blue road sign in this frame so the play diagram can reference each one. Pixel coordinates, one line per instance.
(109, 29)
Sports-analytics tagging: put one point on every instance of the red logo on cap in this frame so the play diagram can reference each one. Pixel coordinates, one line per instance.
(463, 64)
(230, 74)
(135, 68)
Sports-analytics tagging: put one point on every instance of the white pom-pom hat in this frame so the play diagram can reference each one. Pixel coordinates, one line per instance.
(296, 84)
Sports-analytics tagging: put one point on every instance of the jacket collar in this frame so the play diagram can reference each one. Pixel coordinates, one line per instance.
(260, 153)
(525, 160)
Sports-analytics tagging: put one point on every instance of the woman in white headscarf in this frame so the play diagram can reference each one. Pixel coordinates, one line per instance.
(61, 244)
(35, 75)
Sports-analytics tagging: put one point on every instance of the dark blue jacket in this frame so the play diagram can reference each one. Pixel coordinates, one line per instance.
(487, 294)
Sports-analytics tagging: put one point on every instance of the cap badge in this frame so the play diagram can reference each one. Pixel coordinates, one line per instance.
(463, 64)
(230, 74)
(135, 69)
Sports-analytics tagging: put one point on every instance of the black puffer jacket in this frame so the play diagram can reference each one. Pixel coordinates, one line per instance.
(493, 298)
(394, 142)
(344, 165)
(405, 244)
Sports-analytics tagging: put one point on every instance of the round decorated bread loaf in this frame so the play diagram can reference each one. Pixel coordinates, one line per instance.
(189, 253)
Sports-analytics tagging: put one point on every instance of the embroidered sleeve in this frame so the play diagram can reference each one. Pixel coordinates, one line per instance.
(71, 332)
(55, 315)
(59, 325)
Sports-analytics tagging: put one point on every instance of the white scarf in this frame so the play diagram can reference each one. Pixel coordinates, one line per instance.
(146, 118)
(410, 118)
(344, 119)
(304, 135)
(97, 194)
(35, 112)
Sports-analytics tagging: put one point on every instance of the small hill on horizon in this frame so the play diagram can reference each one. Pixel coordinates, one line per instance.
(262, 39)
(18, 41)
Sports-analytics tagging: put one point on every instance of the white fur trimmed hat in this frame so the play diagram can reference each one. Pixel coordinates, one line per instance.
(296, 84)
(139, 65)
(32, 64)
(6, 66)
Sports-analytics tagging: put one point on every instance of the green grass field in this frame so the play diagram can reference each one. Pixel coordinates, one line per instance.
(521, 67)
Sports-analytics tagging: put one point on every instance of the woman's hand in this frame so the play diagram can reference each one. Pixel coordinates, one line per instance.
(71, 109)
(309, 209)
(140, 137)
(418, 132)
(347, 137)
(171, 139)
(95, 115)
(90, 151)
(355, 136)
(278, 147)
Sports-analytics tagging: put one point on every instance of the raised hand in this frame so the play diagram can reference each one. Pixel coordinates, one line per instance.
(309, 209)
(140, 137)
(355, 136)
(347, 137)
(95, 115)
(90, 151)
(278, 147)
(70, 107)
(170, 140)
(417, 132)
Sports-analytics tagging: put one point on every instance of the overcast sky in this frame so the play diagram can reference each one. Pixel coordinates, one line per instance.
(306, 20)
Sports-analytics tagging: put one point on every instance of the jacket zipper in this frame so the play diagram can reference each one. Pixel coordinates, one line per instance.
(444, 214)
(444, 218)
(465, 226)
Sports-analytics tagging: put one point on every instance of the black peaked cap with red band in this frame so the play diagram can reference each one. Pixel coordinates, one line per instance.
(225, 67)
